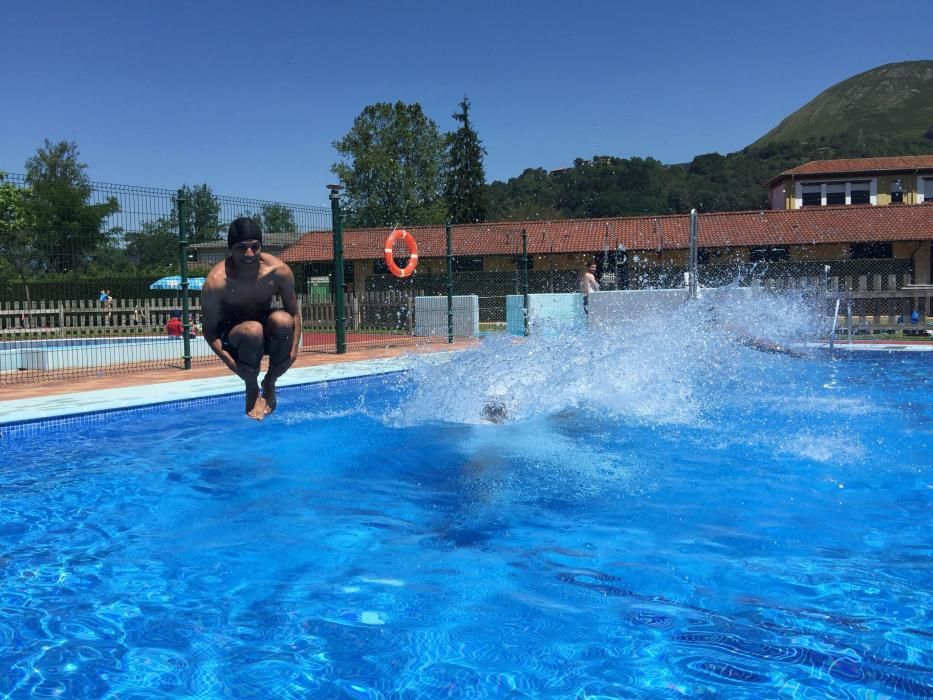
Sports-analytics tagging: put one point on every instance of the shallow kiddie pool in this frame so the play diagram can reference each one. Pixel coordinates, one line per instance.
(61, 353)
(647, 523)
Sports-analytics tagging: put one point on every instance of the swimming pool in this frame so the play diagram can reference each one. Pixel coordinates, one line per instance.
(745, 525)
(58, 353)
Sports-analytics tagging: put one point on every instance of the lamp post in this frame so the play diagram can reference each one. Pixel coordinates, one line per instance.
(183, 257)
(692, 281)
(340, 334)
(525, 279)
(450, 284)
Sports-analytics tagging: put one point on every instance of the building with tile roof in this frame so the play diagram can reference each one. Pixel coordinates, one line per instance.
(211, 252)
(848, 181)
(808, 234)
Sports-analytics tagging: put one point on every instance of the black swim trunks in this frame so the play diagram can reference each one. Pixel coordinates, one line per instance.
(224, 328)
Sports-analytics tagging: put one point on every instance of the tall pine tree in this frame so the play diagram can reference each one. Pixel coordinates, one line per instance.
(465, 181)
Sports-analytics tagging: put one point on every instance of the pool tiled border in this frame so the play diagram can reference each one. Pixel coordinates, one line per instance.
(34, 416)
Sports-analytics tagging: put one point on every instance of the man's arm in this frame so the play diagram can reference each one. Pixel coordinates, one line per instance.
(211, 317)
(286, 291)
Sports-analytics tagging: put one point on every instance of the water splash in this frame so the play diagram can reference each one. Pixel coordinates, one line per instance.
(661, 370)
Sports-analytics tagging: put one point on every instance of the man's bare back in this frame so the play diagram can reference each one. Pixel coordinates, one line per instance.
(240, 324)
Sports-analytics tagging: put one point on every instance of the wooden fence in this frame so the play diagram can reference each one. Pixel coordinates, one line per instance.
(387, 311)
(877, 300)
(143, 314)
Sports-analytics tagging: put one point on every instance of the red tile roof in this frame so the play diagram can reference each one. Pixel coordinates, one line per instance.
(858, 165)
(842, 224)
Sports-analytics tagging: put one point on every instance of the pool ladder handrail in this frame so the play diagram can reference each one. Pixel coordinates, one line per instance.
(832, 332)
(848, 321)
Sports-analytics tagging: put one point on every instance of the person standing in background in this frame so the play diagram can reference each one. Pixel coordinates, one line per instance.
(588, 284)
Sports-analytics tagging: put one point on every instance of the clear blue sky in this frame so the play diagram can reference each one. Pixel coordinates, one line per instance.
(248, 97)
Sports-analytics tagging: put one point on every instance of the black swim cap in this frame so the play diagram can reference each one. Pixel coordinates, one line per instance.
(243, 229)
(495, 411)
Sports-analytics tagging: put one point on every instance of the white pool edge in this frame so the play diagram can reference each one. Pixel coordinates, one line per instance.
(16, 411)
(843, 346)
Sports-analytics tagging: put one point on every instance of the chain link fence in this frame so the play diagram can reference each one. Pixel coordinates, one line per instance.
(90, 278)
(90, 272)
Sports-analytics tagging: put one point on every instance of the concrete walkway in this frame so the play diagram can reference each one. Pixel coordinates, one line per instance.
(49, 400)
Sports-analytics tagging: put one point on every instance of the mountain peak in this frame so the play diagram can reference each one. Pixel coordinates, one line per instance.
(893, 100)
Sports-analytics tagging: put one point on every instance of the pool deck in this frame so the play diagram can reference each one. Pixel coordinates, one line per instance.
(36, 401)
(48, 400)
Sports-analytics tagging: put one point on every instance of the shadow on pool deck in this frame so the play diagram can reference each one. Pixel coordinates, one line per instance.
(28, 390)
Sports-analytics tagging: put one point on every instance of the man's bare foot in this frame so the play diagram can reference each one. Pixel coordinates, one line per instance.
(268, 394)
(255, 404)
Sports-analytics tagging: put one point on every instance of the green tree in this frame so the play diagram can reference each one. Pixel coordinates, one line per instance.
(203, 214)
(531, 196)
(69, 229)
(155, 245)
(277, 218)
(465, 180)
(17, 235)
(392, 167)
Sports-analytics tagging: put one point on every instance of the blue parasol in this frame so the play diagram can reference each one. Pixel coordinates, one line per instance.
(174, 282)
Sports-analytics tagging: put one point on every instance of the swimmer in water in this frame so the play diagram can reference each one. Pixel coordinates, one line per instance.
(745, 338)
(495, 411)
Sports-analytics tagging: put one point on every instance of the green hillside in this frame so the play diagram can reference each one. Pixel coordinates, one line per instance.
(889, 102)
(887, 111)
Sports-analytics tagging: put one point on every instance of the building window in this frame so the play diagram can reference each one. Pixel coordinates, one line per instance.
(715, 256)
(897, 192)
(811, 196)
(464, 264)
(771, 254)
(326, 269)
(870, 250)
(927, 189)
(836, 193)
(860, 193)
(518, 262)
(380, 267)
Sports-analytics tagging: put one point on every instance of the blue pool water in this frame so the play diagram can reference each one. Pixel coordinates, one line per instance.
(720, 523)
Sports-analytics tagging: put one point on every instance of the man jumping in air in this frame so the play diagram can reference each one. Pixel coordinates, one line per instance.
(240, 324)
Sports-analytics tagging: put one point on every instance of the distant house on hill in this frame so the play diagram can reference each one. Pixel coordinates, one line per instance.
(847, 181)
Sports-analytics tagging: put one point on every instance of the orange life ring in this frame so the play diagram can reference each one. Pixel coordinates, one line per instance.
(409, 241)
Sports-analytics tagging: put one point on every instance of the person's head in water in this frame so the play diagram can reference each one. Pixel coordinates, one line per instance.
(244, 238)
(495, 411)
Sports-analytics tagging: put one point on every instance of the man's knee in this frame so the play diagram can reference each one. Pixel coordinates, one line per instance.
(247, 333)
(280, 323)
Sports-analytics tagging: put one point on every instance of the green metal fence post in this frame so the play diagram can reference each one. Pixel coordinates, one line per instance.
(183, 255)
(450, 287)
(525, 277)
(339, 310)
